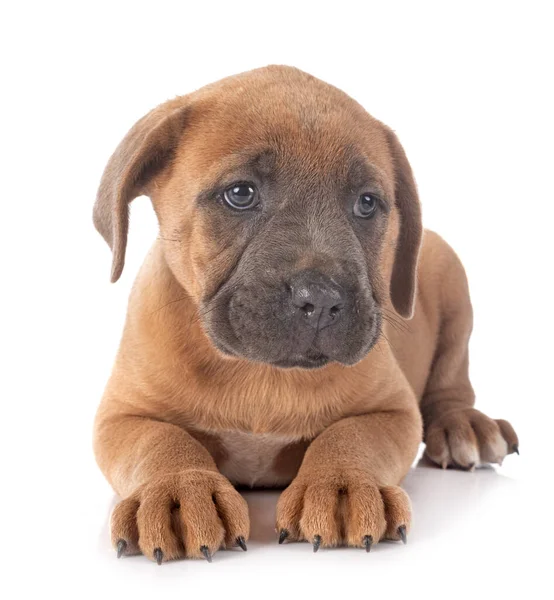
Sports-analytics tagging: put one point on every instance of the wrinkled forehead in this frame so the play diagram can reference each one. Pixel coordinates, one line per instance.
(235, 140)
(347, 169)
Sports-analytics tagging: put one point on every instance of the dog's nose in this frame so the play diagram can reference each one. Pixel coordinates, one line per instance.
(317, 297)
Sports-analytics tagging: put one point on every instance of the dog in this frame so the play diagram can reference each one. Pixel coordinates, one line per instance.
(293, 326)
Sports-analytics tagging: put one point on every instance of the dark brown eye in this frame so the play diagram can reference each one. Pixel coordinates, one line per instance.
(366, 206)
(241, 196)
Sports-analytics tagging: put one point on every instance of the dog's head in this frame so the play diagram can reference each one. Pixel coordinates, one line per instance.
(288, 214)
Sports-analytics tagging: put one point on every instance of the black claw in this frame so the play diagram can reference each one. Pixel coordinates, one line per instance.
(158, 555)
(206, 552)
(515, 448)
(317, 542)
(283, 535)
(402, 534)
(242, 542)
(367, 541)
(121, 547)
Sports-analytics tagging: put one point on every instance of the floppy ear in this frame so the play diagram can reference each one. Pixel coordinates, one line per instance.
(145, 150)
(404, 272)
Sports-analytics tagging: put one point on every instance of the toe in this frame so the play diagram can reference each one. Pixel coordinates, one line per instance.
(203, 530)
(365, 515)
(463, 443)
(319, 515)
(492, 446)
(289, 512)
(233, 512)
(157, 538)
(123, 527)
(398, 512)
(436, 446)
(508, 433)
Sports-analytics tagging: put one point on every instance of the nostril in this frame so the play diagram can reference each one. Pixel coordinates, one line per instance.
(308, 309)
(334, 311)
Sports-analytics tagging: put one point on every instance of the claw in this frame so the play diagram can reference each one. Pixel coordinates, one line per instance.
(515, 448)
(471, 467)
(317, 542)
(367, 540)
(206, 552)
(283, 535)
(402, 534)
(121, 547)
(242, 542)
(158, 555)
(444, 464)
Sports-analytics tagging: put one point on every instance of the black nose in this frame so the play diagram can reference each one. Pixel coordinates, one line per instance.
(317, 297)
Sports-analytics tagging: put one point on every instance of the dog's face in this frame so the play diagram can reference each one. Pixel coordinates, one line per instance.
(292, 243)
(287, 213)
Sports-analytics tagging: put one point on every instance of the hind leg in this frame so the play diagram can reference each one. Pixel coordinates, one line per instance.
(456, 434)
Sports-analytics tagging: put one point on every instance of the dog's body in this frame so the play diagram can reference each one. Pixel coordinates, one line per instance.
(204, 391)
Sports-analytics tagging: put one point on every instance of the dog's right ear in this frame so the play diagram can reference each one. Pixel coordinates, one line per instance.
(145, 150)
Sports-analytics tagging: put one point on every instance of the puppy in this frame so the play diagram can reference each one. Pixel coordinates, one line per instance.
(267, 340)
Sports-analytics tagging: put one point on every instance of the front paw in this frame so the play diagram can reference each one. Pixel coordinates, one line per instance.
(467, 438)
(190, 514)
(342, 508)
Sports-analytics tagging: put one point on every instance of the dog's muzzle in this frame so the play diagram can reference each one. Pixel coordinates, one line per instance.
(305, 320)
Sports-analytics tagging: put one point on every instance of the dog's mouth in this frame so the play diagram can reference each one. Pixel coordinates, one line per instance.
(311, 359)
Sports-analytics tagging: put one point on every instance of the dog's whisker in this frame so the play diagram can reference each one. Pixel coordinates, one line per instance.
(388, 341)
(187, 297)
(199, 314)
(393, 324)
(397, 324)
(161, 237)
(404, 326)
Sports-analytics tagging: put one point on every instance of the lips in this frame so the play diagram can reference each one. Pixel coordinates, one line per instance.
(311, 359)
(314, 355)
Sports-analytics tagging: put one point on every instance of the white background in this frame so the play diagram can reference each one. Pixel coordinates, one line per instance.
(467, 87)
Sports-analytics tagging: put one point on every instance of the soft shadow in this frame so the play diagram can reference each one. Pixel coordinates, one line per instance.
(443, 498)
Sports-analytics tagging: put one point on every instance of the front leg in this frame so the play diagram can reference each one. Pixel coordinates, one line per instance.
(346, 490)
(174, 503)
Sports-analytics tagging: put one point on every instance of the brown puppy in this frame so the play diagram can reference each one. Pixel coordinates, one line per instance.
(265, 343)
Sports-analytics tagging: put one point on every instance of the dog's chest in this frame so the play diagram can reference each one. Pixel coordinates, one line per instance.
(259, 459)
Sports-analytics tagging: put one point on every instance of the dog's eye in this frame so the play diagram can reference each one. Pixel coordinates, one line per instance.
(366, 206)
(241, 196)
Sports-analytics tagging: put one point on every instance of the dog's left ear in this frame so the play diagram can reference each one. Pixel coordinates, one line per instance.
(404, 273)
(144, 151)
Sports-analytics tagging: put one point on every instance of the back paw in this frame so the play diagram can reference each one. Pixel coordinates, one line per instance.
(467, 438)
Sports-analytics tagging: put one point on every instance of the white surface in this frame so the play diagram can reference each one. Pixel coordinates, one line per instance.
(467, 87)
(477, 533)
